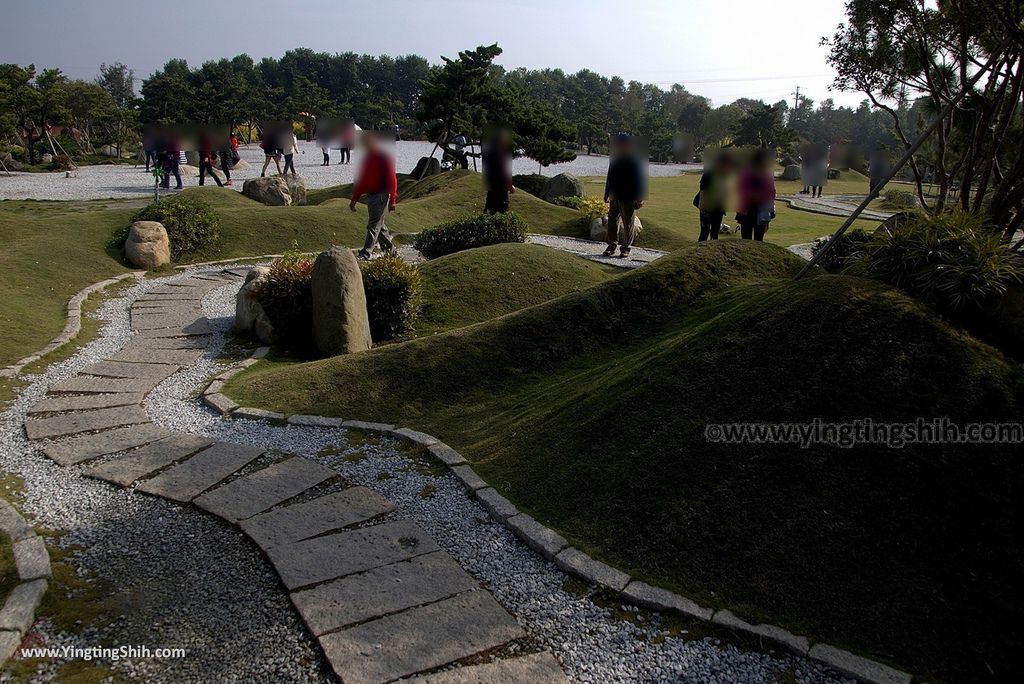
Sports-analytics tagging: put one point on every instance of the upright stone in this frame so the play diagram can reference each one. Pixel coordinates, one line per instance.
(147, 245)
(341, 324)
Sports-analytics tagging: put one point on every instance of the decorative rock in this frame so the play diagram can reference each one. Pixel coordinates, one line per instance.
(426, 166)
(297, 190)
(541, 539)
(798, 644)
(148, 245)
(271, 191)
(599, 227)
(791, 173)
(19, 611)
(341, 324)
(856, 666)
(580, 564)
(562, 185)
(31, 559)
(107, 151)
(250, 316)
(655, 598)
(497, 505)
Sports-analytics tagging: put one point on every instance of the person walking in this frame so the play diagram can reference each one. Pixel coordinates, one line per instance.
(289, 145)
(228, 157)
(497, 166)
(624, 191)
(270, 142)
(756, 196)
(206, 155)
(377, 180)
(170, 160)
(348, 140)
(711, 199)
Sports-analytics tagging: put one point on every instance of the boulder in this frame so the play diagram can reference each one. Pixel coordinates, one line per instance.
(13, 165)
(147, 245)
(426, 166)
(562, 185)
(341, 324)
(46, 158)
(599, 228)
(297, 190)
(834, 174)
(240, 164)
(188, 171)
(107, 151)
(192, 158)
(250, 318)
(271, 191)
(791, 173)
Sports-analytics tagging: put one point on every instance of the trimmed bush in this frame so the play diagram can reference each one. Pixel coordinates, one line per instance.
(949, 261)
(591, 207)
(287, 298)
(899, 199)
(532, 183)
(845, 252)
(190, 223)
(470, 232)
(393, 296)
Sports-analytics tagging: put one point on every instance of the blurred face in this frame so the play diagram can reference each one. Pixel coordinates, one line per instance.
(370, 142)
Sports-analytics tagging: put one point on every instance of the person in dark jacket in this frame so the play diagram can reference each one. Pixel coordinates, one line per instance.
(497, 166)
(712, 197)
(207, 151)
(624, 190)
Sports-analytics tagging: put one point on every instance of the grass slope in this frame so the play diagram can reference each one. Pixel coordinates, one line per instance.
(479, 284)
(589, 412)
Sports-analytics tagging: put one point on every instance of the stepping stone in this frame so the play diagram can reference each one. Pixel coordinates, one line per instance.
(384, 590)
(336, 555)
(310, 518)
(85, 401)
(194, 342)
(200, 327)
(536, 668)
(83, 421)
(419, 639)
(145, 354)
(174, 296)
(82, 384)
(189, 479)
(138, 463)
(132, 371)
(161, 320)
(85, 447)
(263, 489)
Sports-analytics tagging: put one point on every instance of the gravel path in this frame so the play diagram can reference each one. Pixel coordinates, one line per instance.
(834, 205)
(126, 181)
(589, 249)
(186, 579)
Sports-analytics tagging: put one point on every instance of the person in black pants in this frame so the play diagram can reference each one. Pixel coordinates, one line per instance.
(497, 167)
(712, 197)
(757, 196)
(625, 189)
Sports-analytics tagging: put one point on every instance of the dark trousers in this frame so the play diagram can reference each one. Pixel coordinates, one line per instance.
(150, 158)
(497, 201)
(206, 167)
(289, 163)
(225, 163)
(624, 211)
(327, 158)
(710, 225)
(346, 155)
(750, 229)
(171, 169)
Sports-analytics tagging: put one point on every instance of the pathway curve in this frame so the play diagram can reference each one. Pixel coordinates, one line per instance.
(834, 205)
(393, 583)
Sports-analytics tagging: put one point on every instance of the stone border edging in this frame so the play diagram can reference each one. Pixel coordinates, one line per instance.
(552, 546)
(72, 326)
(32, 561)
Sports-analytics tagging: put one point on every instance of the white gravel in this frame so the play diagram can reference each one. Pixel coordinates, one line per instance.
(126, 181)
(195, 582)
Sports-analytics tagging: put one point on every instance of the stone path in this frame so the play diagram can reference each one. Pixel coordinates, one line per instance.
(382, 598)
(834, 205)
(589, 249)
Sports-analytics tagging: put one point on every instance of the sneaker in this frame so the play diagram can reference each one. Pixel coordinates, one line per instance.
(609, 252)
(624, 253)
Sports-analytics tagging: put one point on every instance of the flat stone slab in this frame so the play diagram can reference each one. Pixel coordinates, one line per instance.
(200, 327)
(335, 555)
(388, 589)
(541, 539)
(31, 559)
(535, 668)
(446, 454)
(146, 354)
(13, 524)
(656, 598)
(86, 384)
(419, 639)
(85, 402)
(189, 479)
(85, 447)
(9, 642)
(249, 413)
(497, 505)
(66, 424)
(138, 463)
(155, 321)
(468, 477)
(310, 518)
(19, 611)
(580, 564)
(264, 489)
(221, 403)
(192, 342)
(132, 371)
(314, 421)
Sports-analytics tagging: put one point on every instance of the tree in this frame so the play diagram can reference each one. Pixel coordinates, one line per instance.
(35, 102)
(763, 126)
(119, 81)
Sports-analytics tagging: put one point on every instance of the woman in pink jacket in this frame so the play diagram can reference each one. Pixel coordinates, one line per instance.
(756, 192)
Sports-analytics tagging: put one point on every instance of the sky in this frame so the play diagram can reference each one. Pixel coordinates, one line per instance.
(722, 49)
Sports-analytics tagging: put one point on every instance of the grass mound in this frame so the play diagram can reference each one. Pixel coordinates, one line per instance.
(589, 412)
(480, 284)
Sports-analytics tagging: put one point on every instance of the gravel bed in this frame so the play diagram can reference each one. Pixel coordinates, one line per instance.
(126, 181)
(199, 584)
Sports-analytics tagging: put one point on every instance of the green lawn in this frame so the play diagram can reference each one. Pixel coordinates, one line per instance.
(588, 411)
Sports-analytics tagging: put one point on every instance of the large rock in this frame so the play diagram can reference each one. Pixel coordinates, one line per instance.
(791, 173)
(240, 164)
(297, 190)
(107, 151)
(147, 245)
(562, 185)
(341, 324)
(599, 228)
(192, 158)
(46, 158)
(188, 171)
(250, 318)
(272, 191)
(426, 166)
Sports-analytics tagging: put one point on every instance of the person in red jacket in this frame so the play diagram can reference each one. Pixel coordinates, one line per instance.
(377, 180)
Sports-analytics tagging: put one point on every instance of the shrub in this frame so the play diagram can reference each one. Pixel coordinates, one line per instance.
(949, 261)
(591, 207)
(190, 223)
(847, 249)
(393, 296)
(473, 231)
(287, 298)
(899, 199)
(532, 183)
(62, 162)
